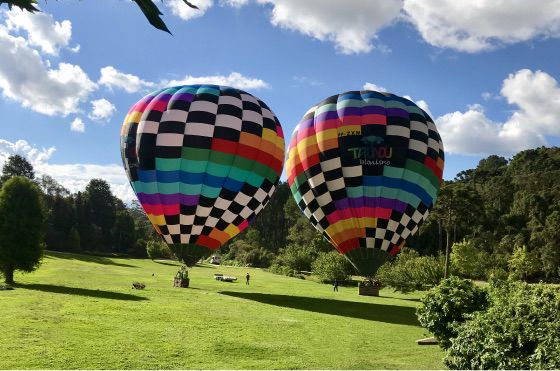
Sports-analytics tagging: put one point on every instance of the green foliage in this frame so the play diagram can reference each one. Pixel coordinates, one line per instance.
(409, 271)
(332, 266)
(520, 330)
(247, 252)
(523, 263)
(469, 261)
(446, 306)
(158, 250)
(17, 165)
(22, 221)
(101, 209)
(295, 258)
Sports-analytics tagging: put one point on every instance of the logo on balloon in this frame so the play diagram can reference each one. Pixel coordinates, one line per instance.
(373, 151)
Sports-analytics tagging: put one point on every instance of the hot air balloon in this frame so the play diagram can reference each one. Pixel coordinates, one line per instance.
(365, 168)
(203, 161)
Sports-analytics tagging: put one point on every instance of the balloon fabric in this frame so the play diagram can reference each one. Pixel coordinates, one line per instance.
(203, 161)
(366, 168)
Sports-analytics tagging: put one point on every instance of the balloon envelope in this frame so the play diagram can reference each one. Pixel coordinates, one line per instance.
(366, 167)
(204, 161)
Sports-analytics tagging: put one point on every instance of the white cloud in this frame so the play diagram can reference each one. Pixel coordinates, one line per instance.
(350, 25)
(235, 3)
(101, 109)
(42, 30)
(472, 26)
(185, 12)
(74, 177)
(23, 148)
(27, 79)
(113, 78)
(234, 79)
(537, 97)
(78, 125)
(374, 87)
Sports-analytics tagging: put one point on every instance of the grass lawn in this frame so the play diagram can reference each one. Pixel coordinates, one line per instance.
(80, 312)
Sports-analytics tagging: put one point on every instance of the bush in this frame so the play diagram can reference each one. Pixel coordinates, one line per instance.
(468, 261)
(409, 271)
(332, 266)
(158, 250)
(523, 263)
(444, 307)
(295, 258)
(520, 330)
(247, 253)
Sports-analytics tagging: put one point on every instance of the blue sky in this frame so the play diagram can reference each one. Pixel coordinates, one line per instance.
(488, 73)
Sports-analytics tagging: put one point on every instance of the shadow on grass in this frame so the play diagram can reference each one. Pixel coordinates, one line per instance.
(80, 291)
(175, 264)
(88, 258)
(397, 298)
(368, 311)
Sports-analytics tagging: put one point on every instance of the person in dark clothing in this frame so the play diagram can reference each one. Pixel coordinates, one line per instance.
(247, 277)
(335, 285)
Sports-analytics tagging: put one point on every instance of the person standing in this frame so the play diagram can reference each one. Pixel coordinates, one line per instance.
(335, 285)
(247, 277)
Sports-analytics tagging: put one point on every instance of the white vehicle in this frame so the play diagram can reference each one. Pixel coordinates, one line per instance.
(215, 259)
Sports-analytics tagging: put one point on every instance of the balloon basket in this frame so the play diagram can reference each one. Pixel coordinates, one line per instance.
(180, 282)
(369, 290)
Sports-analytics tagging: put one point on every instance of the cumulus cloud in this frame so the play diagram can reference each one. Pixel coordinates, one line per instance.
(74, 177)
(78, 125)
(185, 12)
(350, 25)
(113, 78)
(473, 26)
(42, 30)
(235, 3)
(234, 79)
(374, 87)
(537, 97)
(101, 109)
(27, 78)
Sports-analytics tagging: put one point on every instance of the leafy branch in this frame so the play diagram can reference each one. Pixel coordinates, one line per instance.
(150, 10)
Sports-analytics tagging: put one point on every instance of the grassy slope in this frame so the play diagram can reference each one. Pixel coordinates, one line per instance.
(79, 312)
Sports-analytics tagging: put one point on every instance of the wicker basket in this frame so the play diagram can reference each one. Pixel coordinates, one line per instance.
(369, 290)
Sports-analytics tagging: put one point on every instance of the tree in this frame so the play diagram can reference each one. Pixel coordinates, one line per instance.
(523, 263)
(124, 232)
(17, 165)
(22, 219)
(150, 10)
(101, 208)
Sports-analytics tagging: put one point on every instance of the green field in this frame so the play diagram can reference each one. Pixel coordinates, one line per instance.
(80, 312)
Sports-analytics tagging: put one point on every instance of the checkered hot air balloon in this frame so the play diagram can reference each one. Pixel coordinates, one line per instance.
(366, 167)
(203, 160)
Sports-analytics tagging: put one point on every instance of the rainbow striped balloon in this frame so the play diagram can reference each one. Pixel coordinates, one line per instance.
(366, 167)
(203, 160)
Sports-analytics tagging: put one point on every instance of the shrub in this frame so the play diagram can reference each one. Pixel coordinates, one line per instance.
(409, 271)
(295, 258)
(523, 263)
(158, 250)
(332, 266)
(445, 306)
(247, 253)
(520, 330)
(469, 261)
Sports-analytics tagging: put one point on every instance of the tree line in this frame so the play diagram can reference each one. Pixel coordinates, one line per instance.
(502, 216)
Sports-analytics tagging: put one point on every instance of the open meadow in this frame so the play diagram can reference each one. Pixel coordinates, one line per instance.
(80, 312)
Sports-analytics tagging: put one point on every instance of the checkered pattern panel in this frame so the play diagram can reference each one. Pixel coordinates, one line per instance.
(203, 160)
(365, 168)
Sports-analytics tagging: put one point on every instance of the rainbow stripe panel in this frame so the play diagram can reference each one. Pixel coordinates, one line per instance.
(365, 167)
(203, 160)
